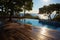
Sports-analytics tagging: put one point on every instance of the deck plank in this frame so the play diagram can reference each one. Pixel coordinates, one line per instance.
(22, 33)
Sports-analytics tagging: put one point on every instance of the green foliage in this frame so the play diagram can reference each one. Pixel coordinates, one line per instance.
(57, 18)
(17, 5)
(50, 8)
(12, 6)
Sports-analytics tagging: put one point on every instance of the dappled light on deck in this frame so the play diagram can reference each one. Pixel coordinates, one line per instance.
(42, 34)
(43, 30)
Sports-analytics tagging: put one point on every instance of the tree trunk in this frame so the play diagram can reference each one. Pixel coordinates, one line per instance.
(11, 14)
(24, 15)
(49, 16)
(57, 12)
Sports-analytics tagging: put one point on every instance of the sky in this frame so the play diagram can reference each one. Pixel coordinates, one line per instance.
(40, 3)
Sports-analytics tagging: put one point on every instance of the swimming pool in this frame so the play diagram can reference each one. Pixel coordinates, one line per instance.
(35, 22)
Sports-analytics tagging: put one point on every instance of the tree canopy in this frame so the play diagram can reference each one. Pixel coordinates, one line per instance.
(11, 6)
(17, 5)
(49, 9)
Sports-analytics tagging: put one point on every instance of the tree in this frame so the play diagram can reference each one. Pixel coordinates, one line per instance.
(46, 10)
(57, 18)
(57, 9)
(50, 8)
(27, 5)
(12, 6)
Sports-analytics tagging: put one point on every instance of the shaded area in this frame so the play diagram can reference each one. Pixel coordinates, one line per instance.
(51, 23)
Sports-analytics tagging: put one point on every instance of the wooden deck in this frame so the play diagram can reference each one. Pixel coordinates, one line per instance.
(24, 33)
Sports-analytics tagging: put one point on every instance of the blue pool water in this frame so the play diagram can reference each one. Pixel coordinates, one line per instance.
(35, 22)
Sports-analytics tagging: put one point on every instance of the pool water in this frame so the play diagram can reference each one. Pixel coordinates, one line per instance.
(35, 22)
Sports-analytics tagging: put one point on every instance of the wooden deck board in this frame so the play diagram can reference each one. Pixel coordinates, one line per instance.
(28, 34)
